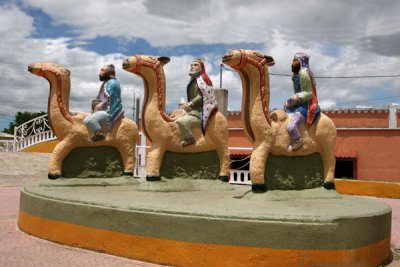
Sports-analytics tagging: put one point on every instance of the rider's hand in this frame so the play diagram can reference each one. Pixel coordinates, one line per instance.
(293, 101)
(98, 107)
(187, 107)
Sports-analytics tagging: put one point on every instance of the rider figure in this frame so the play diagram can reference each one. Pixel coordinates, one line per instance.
(107, 107)
(201, 105)
(302, 107)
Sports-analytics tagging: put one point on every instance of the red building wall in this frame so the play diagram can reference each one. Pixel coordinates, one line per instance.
(237, 137)
(378, 152)
(362, 119)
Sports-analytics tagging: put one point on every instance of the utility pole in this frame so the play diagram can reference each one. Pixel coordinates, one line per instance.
(136, 106)
(220, 75)
(221, 95)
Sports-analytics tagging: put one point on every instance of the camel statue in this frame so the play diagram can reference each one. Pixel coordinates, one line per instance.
(162, 130)
(69, 127)
(267, 132)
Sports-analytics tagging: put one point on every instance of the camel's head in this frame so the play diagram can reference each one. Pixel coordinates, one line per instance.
(42, 69)
(137, 63)
(238, 59)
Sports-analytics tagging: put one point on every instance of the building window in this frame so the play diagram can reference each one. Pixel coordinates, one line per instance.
(345, 169)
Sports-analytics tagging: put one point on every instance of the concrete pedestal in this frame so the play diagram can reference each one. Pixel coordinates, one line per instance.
(216, 227)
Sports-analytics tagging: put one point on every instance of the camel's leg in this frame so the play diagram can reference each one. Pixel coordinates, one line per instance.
(154, 160)
(62, 149)
(328, 159)
(223, 154)
(125, 139)
(327, 143)
(218, 134)
(127, 151)
(257, 167)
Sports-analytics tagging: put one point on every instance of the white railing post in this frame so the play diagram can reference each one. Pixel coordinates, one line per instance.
(140, 163)
(240, 177)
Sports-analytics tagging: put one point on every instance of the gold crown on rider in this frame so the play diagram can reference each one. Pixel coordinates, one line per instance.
(200, 60)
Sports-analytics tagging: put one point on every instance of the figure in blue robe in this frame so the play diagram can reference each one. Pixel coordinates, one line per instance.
(107, 107)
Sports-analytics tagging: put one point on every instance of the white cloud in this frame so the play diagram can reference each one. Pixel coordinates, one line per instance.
(327, 104)
(15, 24)
(23, 91)
(176, 22)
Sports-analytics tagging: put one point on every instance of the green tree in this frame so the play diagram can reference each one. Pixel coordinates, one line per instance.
(20, 118)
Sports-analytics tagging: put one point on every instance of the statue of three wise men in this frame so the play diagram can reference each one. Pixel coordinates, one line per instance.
(302, 107)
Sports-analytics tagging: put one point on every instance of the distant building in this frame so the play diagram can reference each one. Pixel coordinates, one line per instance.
(6, 142)
(6, 136)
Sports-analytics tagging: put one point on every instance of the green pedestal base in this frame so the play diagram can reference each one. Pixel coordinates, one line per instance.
(294, 173)
(203, 165)
(93, 162)
(313, 227)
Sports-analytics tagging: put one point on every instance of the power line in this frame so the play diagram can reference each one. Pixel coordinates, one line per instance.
(357, 77)
(368, 100)
(333, 77)
(343, 77)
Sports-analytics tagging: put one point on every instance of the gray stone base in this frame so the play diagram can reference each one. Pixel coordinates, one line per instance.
(77, 182)
(182, 185)
(203, 165)
(93, 162)
(294, 173)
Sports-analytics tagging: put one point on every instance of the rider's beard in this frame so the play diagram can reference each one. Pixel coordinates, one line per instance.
(296, 69)
(194, 74)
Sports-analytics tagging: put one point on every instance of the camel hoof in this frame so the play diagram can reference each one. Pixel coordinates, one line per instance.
(53, 176)
(153, 178)
(127, 174)
(258, 188)
(223, 178)
(329, 185)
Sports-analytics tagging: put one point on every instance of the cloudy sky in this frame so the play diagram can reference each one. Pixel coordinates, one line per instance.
(343, 38)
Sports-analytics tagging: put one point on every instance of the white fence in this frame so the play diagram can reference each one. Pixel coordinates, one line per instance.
(33, 140)
(32, 132)
(28, 134)
(239, 177)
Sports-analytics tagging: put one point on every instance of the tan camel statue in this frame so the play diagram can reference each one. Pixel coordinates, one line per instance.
(162, 130)
(69, 128)
(268, 133)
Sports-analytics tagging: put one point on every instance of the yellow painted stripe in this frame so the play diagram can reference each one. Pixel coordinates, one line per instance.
(177, 253)
(45, 147)
(368, 188)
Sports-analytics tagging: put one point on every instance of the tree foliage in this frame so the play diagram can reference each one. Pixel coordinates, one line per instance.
(20, 118)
